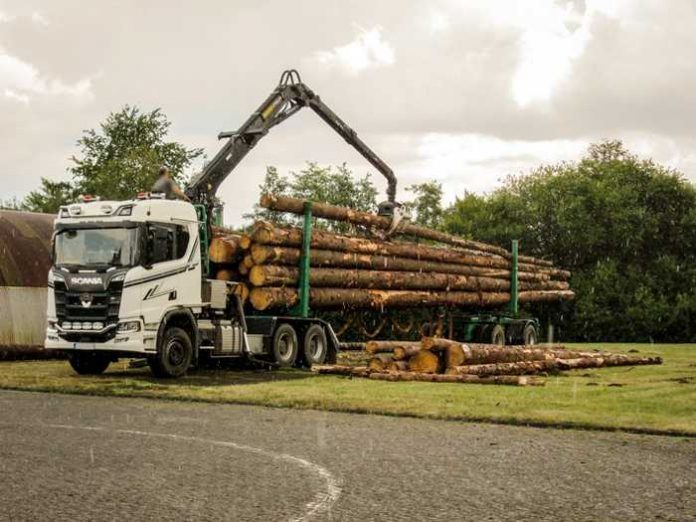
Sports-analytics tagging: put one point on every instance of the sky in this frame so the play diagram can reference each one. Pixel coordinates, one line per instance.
(462, 92)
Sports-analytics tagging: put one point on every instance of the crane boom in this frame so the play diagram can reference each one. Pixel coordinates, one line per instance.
(287, 98)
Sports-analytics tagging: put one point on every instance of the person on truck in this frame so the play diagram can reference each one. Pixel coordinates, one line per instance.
(167, 186)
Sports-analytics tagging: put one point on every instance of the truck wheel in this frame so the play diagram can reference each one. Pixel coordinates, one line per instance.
(174, 357)
(89, 363)
(498, 335)
(285, 345)
(315, 345)
(529, 335)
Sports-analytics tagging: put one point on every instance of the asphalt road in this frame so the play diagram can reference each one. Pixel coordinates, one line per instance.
(88, 458)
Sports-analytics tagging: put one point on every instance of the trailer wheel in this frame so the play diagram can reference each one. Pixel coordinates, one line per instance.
(498, 335)
(315, 345)
(529, 335)
(89, 363)
(285, 345)
(175, 355)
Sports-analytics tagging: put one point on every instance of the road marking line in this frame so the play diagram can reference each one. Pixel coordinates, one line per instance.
(323, 500)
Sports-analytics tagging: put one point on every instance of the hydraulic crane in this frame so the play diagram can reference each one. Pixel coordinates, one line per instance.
(287, 98)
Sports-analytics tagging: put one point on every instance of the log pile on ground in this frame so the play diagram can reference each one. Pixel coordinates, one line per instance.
(442, 360)
(376, 272)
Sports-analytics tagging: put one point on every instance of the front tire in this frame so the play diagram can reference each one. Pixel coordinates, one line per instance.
(175, 355)
(89, 363)
(285, 346)
(315, 345)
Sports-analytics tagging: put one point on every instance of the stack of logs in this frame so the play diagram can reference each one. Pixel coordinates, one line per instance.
(441, 360)
(376, 271)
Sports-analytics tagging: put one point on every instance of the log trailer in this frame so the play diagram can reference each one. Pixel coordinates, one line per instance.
(131, 278)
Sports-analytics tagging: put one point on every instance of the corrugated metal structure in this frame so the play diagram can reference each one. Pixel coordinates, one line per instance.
(25, 259)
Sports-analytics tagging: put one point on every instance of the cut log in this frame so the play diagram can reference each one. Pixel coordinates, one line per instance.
(266, 254)
(379, 362)
(425, 361)
(404, 352)
(245, 242)
(467, 379)
(387, 346)
(509, 368)
(263, 298)
(607, 360)
(276, 275)
(323, 210)
(240, 289)
(226, 274)
(397, 366)
(337, 369)
(224, 249)
(267, 234)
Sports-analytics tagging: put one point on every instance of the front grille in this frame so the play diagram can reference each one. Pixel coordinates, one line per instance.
(104, 308)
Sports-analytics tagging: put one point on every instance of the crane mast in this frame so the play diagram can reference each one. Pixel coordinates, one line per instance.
(287, 98)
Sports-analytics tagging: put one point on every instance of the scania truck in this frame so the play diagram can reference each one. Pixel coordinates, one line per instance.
(130, 278)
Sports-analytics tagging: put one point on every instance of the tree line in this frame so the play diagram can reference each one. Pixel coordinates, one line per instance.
(624, 226)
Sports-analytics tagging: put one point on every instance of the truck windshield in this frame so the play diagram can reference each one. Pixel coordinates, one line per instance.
(96, 247)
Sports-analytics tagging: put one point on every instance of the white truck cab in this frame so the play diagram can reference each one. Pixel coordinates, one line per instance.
(127, 282)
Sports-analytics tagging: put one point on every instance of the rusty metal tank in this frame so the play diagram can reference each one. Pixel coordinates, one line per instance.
(25, 259)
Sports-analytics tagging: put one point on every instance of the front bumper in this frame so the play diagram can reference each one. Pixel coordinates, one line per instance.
(137, 343)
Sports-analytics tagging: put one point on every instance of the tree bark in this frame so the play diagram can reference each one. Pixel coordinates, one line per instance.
(276, 275)
(606, 360)
(323, 210)
(267, 234)
(387, 346)
(263, 298)
(467, 379)
(338, 369)
(266, 254)
(224, 249)
(352, 347)
(507, 368)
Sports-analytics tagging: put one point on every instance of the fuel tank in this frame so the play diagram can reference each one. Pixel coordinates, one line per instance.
(25, 259)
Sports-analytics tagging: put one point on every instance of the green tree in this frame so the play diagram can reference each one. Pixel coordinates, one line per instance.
(118, 160)
(333, 185)
(625, 227)
(51, 196)
(426, 206)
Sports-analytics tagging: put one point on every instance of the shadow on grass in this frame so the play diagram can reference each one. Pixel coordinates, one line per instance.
(207, 377)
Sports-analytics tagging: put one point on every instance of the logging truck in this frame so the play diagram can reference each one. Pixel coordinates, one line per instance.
(132, 278)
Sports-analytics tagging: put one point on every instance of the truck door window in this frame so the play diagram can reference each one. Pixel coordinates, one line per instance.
(167, 242)
(161, 243)
(182, 240)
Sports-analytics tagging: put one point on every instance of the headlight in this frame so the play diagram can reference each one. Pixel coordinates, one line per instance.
(67, 325)
(97, 326)
(53, 276)
(129, 326)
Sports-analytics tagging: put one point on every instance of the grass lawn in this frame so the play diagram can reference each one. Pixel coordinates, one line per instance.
(660, 399)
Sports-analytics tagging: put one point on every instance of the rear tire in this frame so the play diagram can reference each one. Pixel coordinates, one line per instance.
(529, 335)
(285, 345)
(315, 345)
(89, 363)
(498, 335)
(175, 355)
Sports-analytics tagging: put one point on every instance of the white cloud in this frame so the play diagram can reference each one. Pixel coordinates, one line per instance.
(40, 19)
(476, 162)
(20, 81)
(368, 50)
